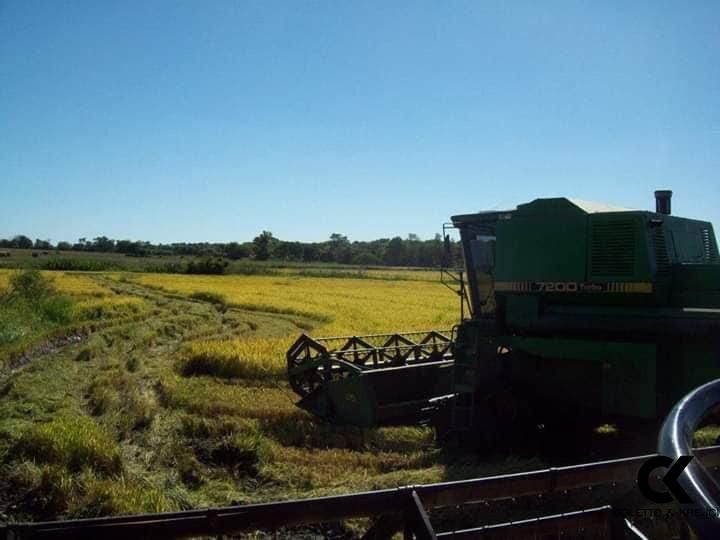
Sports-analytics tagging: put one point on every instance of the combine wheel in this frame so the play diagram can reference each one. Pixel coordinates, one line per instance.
(504, 418)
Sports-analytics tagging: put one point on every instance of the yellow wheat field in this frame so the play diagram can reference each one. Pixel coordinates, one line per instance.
(334, 306)
(89, 294)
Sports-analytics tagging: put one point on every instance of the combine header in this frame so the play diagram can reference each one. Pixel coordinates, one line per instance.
(574, 309)
(374, 379)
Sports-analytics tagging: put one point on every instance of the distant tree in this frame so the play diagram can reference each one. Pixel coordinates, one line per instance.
(42, 244)
(340, 248)
(103, 243)
(411, 251)
(337, 238)
(395, 252)
(124, 246)
(235, 251)
(22, 242)
(310, 252)
(288, 251)
(81, 245)
(366, 258)
(262, 246)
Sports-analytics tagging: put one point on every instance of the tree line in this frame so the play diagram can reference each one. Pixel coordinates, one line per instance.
(397, 251)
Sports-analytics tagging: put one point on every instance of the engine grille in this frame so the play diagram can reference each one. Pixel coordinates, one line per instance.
(709, 252)
(612, 245)
(662, 260)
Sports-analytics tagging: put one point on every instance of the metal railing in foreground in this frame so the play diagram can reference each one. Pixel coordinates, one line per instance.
(404, 508)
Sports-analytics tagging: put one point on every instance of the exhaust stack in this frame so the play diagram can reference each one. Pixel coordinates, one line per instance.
(662, 201)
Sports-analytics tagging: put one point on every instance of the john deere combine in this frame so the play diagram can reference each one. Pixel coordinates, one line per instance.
(571, 306)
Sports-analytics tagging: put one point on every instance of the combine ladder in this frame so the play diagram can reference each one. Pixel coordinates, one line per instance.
(474, 357)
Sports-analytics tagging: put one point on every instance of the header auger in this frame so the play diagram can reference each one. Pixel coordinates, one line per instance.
(572, 307)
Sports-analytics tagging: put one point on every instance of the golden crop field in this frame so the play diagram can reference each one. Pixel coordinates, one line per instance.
(81, 286)
(335, 307)
(69, 283)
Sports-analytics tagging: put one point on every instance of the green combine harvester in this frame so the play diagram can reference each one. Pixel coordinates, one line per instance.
(568, 308)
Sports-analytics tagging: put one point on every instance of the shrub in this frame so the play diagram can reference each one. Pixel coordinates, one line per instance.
(210, 265)
(31, 285)
(11, 329)
(71, 442)
(31, 305)
(80, 265)
(57, 309)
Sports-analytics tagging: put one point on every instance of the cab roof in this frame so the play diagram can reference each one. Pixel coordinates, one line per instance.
(589, 207)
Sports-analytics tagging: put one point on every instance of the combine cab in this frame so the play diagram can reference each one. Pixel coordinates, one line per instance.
(572, 307)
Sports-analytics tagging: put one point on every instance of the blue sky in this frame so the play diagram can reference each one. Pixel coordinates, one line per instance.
(172, 121)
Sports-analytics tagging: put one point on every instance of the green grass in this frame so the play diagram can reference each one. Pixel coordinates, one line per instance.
(29, 307)
(120, 397)
(73, 443)
(45, 491)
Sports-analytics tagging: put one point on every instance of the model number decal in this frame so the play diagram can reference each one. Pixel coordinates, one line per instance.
(573, 287)
(555, 286)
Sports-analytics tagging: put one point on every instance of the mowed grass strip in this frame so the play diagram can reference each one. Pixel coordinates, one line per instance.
(210, 397)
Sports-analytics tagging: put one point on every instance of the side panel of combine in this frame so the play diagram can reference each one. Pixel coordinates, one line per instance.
(615, 311)
(612, 378)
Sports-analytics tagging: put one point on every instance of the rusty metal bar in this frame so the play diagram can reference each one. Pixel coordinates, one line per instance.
(235, 519)
(589, 523)
(544, 481)
(417, 522)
